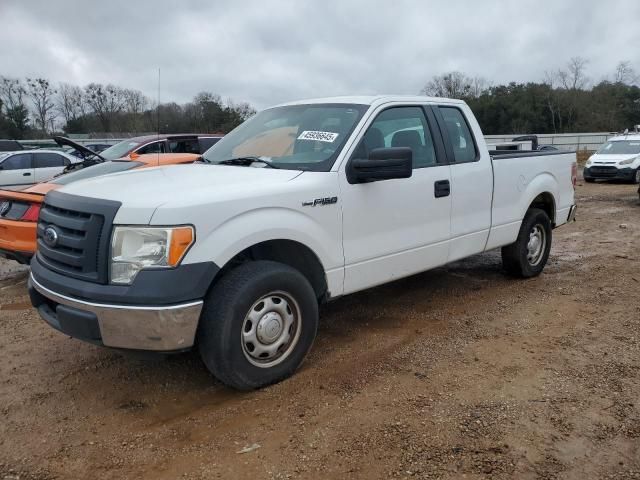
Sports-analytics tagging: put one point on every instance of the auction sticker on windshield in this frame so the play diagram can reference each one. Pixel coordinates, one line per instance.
(329, 137)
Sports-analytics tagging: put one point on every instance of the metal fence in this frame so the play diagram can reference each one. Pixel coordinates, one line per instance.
(563, 141)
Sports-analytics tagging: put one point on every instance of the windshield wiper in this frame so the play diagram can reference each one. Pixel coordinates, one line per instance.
(246, 161)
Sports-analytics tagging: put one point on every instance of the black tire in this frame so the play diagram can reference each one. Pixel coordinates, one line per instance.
(226, 313)
(636, 177)
(589, 180)
(516, 257)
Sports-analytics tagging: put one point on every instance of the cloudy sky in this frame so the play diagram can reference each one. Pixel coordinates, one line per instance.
(266, 52)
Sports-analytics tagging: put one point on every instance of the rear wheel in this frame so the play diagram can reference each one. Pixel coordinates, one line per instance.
(528, 255)
(257, 324)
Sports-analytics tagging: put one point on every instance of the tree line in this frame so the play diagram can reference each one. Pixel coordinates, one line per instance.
(565, 101)
(36, 108)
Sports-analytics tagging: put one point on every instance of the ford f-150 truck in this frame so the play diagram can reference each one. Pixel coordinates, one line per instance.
(302, 203)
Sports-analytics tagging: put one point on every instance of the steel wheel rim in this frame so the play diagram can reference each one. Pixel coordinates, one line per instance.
(638, 176)
(271, 329)
(536, 245)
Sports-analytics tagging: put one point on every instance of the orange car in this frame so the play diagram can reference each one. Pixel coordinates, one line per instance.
(19, 210)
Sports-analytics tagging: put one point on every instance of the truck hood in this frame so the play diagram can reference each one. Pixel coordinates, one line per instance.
(142, 191)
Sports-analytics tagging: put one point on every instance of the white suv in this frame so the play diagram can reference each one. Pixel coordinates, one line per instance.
(617, 159)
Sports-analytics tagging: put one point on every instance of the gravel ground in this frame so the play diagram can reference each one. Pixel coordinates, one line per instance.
(460, 372)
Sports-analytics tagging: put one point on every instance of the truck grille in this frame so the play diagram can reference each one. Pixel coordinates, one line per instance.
(73, 235)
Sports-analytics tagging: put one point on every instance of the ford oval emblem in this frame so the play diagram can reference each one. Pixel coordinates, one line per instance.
(50, 236)
(4, 208)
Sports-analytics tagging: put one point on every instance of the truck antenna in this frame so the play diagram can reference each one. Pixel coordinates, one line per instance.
(158, 118)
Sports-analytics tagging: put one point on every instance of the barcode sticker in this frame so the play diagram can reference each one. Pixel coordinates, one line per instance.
(329, 137)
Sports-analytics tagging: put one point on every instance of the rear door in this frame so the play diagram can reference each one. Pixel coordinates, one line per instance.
(48, 164)
(471, 180)
(17, 169)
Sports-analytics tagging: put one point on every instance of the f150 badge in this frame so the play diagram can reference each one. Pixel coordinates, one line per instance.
(321, 202)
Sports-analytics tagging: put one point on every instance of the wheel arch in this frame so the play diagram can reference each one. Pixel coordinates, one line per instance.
(546, 202)
(542, 192)
(289, 252)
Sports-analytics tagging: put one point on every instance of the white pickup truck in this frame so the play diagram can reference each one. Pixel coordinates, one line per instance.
(302, 203)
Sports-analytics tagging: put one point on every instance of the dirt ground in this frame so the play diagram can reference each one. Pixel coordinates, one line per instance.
(460, 372)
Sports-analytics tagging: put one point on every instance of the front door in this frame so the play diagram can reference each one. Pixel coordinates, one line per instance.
(394, 228)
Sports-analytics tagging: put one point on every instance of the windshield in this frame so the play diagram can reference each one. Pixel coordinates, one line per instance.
(294, 137)
(95, 171)
(119, 150)
(620, 147)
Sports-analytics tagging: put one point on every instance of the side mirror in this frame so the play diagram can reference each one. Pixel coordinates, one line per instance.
(382, 164)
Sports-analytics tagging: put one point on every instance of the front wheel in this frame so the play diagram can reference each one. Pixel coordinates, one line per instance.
(636, 176)
(257, 324)
(589, 180)
(527, 256)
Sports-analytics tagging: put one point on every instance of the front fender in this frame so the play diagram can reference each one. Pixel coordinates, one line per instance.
(319, 231)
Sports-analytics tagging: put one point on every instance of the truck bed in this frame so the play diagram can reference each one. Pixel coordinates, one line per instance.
(515, 183)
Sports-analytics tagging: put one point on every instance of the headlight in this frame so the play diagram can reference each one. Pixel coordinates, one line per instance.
(136, 248)
(628, 161)
(588, 164)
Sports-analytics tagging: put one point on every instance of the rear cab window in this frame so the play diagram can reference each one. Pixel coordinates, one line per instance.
(460, 137)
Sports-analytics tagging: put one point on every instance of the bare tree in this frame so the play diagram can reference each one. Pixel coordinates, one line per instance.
(451, 85)
(105, 101)
(479, 86)
(625, 73)
(574, 77)
(41, 93)
(550, 80)
(70, 102)
(12, 92)
(135, 103)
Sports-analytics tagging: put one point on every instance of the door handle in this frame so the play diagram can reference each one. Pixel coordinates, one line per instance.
(441, 188)
(26, 174)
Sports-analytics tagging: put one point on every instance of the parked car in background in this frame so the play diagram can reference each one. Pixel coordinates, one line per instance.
(19, 210)
(10, 146)
(617, 159)
(302, 203)
(178, 143)
(32, 166)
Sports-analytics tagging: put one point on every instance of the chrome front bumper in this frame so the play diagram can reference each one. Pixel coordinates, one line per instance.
(156, 328)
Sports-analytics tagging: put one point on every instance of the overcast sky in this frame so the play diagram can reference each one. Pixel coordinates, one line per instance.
(267, 52)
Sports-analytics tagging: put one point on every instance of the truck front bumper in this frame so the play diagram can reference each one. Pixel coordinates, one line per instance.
(162, 328)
